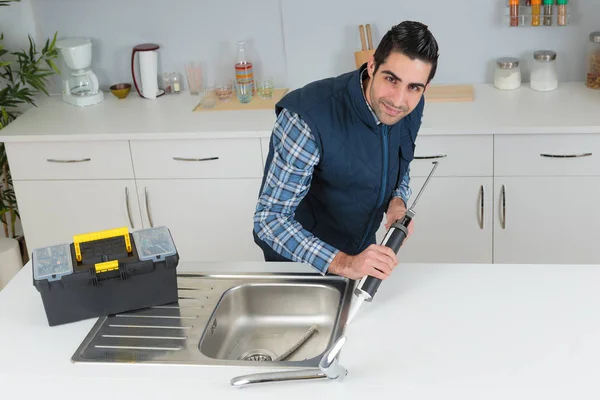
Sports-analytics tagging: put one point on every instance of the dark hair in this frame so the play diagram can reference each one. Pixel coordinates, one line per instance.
(412, 39)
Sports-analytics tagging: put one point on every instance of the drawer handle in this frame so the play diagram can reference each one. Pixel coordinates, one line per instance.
(195, 159)
(566, 155)
(430, 157)
(68, 161)
(481, 206)
(503, 207)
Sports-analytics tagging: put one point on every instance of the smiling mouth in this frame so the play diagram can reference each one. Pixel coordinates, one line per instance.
(391, 110)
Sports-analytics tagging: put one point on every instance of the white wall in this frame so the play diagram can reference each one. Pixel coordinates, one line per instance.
(16, 23)
(185, 30)
(298, 41)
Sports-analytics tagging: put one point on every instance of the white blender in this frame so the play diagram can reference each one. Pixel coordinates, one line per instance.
(80, 88)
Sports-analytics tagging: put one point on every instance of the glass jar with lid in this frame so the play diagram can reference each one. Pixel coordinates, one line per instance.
(544, 76)
(593, 70)
(507, 75)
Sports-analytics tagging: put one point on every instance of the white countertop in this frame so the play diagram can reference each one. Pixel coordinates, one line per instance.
(572, 108)
(432, 332)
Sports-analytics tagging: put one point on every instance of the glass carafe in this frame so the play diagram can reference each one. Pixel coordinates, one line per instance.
(83, 83)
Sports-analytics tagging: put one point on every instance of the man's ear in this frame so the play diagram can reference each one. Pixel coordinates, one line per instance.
(371, 66)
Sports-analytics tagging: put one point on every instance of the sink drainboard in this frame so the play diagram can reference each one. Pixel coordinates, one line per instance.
(173, 333)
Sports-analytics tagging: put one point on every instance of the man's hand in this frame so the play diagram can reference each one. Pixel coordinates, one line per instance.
(376, 260)
(396, 210)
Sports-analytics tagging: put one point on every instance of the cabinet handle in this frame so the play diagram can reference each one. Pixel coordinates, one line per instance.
(566, 155)
(128, 209)
(430, 157)
(195, 159)
(503, 207)
(148, 207)
(481, 205)
(54, 160)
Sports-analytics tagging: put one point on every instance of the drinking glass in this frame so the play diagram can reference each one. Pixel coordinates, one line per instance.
(209, 100)
(224, 90)
(243, 91)
(265, 88)
(193, 71)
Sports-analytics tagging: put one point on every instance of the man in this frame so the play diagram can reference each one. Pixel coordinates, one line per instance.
(339, 159)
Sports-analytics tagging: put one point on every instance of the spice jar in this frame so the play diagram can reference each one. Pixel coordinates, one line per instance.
(561, 12)
(593, 70)
(543, 71)
(548, 4)
(166, 83)
(507, 75)
(176, 80)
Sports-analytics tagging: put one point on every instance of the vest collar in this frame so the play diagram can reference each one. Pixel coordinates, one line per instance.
(362, 89)
(358, 99)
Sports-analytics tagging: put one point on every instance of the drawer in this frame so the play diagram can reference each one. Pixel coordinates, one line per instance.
(457, 155)
(197, 158)
(70, 160)
(547, 155)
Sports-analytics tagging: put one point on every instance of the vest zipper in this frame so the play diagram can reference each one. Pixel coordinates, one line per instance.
(384, 139)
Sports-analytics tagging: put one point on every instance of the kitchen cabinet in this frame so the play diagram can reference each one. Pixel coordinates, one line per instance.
(494, 198)
(453, 222)
(547, 220)
(204, 191)
(209, 219)
(52, 211)
(546, 194)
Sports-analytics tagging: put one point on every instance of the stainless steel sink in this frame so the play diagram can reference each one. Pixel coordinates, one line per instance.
(232, 319)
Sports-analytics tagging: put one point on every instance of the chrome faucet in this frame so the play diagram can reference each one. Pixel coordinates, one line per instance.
(329, 367)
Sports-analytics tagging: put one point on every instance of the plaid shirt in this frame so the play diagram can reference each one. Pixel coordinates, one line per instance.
(288, 180)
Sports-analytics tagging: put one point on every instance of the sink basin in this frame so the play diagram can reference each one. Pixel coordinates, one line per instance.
(227, 319)
(264, 320)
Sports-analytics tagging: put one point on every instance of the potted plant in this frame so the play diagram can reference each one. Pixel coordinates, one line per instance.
(23, 75)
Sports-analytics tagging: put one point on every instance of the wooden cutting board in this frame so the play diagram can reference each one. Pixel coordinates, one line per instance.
(449, 93)
(255, 104)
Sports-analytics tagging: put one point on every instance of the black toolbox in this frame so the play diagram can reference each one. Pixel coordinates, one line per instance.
(106, 272)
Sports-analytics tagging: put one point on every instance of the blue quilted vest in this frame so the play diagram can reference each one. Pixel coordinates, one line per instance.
(361, 163)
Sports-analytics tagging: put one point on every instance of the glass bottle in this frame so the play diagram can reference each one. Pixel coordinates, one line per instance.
(593, 70)
(244, 73)
(176, 80)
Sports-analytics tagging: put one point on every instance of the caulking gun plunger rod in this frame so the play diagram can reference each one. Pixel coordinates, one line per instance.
(367, 287)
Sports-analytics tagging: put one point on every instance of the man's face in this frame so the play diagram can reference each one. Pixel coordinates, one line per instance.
(396, 89)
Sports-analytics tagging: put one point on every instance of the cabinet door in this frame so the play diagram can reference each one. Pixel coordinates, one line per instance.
(209, 219)
(453, 222)
(53, 211)
(547, 220)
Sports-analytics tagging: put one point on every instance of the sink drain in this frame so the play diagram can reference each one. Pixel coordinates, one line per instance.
(257, 355)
